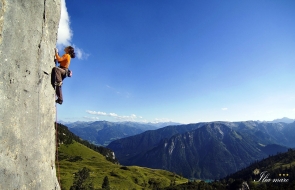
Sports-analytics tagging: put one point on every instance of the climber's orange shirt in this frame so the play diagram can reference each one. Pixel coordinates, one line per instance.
(64, 61)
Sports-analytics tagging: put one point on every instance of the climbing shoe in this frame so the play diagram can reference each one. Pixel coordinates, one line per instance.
(58, 101)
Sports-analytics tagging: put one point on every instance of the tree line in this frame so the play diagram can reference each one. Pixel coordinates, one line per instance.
(64, 136)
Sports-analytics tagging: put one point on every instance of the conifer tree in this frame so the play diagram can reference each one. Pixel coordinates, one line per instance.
(106, 184)
(81, 181)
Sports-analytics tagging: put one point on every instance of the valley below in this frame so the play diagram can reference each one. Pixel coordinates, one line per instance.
(207, 151)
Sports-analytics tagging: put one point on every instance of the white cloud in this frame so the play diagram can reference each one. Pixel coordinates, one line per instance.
(96, 113)
(65, 33)
(131, 117)
(113, 115)
(91, 118)
(80, 54)
(224, 109)
(161, 120)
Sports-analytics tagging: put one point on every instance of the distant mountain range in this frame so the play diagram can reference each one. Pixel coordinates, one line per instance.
(208, 150)
(164, 124)
(283, 120)
(103, 132)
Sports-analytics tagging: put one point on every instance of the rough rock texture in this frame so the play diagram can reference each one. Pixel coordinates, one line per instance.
(28, 32)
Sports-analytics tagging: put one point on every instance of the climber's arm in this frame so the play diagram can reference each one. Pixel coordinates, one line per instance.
(60, 59)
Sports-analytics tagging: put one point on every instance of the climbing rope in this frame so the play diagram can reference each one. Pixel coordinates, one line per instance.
(56, 137)
(57, 162)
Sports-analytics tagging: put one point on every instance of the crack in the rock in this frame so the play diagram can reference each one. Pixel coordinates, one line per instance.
(2, 10)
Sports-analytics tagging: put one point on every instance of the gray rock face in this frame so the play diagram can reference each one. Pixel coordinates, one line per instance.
(28, 32)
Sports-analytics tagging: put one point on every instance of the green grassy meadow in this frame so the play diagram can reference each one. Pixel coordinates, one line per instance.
(73, 157)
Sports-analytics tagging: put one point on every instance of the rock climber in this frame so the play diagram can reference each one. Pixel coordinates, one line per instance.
(60, 73)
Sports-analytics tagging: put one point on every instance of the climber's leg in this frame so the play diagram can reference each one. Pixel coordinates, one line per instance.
(53, 77)
(59, 72)
(58, 91)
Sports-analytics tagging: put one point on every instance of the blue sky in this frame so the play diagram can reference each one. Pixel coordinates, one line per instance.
(183, 61)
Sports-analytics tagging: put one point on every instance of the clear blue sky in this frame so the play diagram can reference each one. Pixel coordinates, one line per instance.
(183, 61)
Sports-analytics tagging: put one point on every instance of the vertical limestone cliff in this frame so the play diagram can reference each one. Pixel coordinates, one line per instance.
(28, 32)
